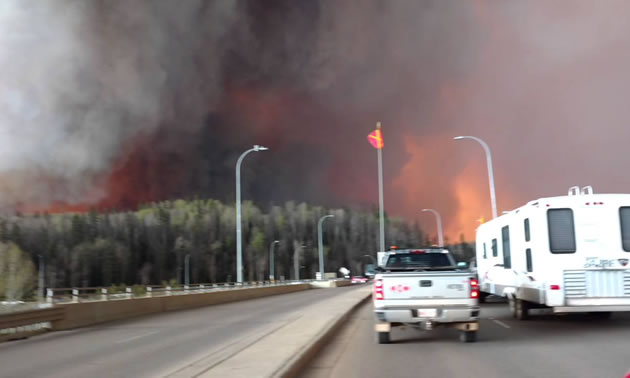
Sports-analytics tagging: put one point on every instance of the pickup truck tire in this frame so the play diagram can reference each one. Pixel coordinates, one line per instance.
(521, 309)
(468, 336)
(382, 337)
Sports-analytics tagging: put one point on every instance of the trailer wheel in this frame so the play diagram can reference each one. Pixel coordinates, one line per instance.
(512, 304)
(521, 308)
(382, 337)
(468, 336)
(483, 296)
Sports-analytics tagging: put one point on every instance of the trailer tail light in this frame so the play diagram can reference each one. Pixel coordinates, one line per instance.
(379, 293)
(554, 287)
(474, 288)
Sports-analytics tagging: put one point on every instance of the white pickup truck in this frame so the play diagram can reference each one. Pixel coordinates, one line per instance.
(424, 288)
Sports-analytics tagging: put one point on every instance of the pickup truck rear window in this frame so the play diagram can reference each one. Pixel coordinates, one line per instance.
(427, 260)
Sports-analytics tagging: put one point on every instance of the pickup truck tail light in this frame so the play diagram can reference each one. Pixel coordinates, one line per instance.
(474, 288)
(379, 293)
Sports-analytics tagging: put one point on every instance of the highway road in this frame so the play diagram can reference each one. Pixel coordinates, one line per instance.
(167, 344)
(546, 346)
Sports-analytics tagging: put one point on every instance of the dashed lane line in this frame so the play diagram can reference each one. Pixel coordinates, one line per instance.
(136, 337)
(502, 324)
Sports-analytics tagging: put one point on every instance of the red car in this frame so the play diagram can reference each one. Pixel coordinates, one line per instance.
(358, 280)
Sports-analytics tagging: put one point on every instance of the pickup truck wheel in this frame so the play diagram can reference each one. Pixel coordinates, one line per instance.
(521, 309)
(382, 337)
(468, 337)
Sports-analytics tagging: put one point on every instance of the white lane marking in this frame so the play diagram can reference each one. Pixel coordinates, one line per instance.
(136, 337)
(501, 323)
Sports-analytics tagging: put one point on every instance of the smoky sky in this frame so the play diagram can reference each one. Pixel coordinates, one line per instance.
(114, 103)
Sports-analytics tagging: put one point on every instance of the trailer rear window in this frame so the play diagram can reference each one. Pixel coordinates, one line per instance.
(494, 248)
(624, 218)
(561, 230)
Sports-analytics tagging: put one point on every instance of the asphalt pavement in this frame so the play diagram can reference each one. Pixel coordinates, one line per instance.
(158, 345)
(545, 346)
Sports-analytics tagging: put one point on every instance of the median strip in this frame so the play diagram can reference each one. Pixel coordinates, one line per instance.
(287, 351)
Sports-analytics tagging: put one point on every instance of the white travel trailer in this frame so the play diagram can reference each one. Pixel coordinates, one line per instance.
(567, 253)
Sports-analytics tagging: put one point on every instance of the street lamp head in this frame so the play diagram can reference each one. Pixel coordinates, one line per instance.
(260, 148)
(426, 210)
(459, 137)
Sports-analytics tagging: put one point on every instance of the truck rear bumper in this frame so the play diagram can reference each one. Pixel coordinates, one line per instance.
(444, 315)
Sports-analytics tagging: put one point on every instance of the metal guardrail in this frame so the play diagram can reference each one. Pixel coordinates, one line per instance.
(25, 318)
(89, 294)
(21, 324)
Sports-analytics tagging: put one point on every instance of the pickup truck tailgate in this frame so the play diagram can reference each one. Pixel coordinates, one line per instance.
(426, 285)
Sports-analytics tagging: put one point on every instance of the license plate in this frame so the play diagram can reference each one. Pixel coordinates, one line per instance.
(427, 313)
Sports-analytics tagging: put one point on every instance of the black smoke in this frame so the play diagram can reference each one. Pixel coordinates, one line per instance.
(118, 102)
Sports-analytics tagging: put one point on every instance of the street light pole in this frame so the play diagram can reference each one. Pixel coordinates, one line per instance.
(493, 197)
(187, 268)
(296, 262)
(239, 239)
(320, 238)
(272, 268)
(438, 219)
(40, 292)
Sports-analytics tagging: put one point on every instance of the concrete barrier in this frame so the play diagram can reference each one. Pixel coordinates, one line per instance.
(330, 284)
(91, 313)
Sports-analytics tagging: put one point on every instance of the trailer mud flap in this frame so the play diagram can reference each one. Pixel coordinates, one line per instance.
(382, 327)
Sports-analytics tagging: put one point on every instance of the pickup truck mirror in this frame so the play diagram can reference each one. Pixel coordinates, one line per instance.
(462, 265)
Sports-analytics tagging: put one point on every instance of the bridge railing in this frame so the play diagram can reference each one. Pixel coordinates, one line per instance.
(25, 319)
(83, 294)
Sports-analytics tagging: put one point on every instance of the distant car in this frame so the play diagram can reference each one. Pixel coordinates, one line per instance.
(359, 280)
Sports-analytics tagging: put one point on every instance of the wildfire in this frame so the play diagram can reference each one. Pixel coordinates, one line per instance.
(434, 177)
(471, 194)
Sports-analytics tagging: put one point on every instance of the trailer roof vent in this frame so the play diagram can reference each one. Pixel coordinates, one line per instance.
(585, 191)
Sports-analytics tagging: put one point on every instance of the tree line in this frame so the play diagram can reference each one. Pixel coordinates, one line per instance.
(150, 245)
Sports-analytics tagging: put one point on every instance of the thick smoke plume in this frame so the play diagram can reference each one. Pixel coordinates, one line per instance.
(112, 103)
